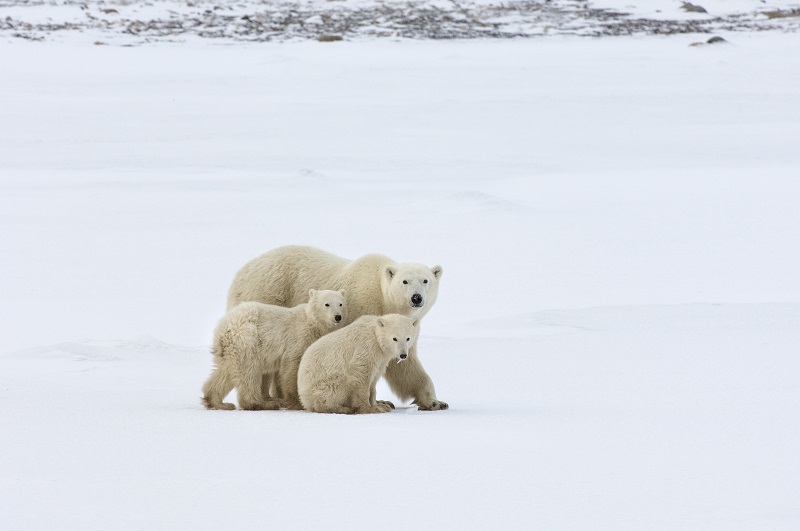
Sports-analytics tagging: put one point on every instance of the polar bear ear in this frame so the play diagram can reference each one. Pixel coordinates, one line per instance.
(390, 271)
(437, 271)
(342, 293)
(380, 322)
(311, 293)
(415, 323)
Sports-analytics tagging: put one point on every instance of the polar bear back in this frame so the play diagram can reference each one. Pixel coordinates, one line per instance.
(261, 328)
(277, 329)
(283, 276)
(255, 330)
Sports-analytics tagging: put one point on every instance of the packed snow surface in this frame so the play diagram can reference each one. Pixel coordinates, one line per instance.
(618, 325)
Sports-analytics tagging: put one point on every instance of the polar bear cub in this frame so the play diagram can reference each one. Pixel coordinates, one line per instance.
(338, 373)
(255, 339)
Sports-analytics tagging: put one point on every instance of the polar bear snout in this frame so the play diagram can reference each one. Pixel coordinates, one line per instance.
(403, 356)
(416, 300)
(337, 318)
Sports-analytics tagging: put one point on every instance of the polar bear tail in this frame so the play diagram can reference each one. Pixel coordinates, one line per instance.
(217, 349)
(235, 341)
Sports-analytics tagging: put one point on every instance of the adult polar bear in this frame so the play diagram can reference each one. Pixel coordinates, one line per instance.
(375, 285)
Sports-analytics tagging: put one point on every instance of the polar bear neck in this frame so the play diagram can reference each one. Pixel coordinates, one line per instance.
(313, 328)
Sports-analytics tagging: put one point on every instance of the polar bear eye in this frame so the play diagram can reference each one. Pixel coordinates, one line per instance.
(425, 281)
(326, 304)
(394, 338)
(340, 305)
(408, 339)
(405, 282)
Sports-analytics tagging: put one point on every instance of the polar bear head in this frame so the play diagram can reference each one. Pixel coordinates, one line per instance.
(327, 308)
(411, 289)
(396, 335)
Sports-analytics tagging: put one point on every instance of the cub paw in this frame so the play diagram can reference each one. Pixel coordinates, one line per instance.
(385, 403)
(262, 406)
(292, 406)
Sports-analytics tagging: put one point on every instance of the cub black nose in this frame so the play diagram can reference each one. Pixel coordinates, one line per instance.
(403, 356)
(338, 318)
(416, 299)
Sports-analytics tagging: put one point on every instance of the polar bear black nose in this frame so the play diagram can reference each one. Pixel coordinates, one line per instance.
(416, 299)
(338, 318)
(403, 356)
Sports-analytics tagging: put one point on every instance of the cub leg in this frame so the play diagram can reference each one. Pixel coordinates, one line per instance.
(373, 392)
(287, 379)
(250, 397)
(363, 404)
(216, 388)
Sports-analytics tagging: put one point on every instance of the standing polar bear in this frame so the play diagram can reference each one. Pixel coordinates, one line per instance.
(375, 285)
(338, 373)
(255, 339)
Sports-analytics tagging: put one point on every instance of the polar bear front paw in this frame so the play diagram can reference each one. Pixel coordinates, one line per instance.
(432, 405)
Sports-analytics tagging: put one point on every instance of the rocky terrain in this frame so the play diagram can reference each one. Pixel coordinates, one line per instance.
(136, 22)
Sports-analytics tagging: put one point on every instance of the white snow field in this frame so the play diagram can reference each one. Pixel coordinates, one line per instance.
(618, 327)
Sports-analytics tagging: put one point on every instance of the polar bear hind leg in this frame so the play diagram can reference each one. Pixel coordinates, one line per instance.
(216, 389)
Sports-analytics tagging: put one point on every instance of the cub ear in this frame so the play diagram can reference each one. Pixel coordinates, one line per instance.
(437, 271)
(390, 271)
(380, 322)
(311, 293)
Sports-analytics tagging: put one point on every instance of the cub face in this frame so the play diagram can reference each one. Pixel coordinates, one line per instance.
(396, 335)
(327, 307)
(412, 288)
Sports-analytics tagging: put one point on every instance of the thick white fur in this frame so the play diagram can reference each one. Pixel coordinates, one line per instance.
(255, 339)
(375, 285)
(338, 373)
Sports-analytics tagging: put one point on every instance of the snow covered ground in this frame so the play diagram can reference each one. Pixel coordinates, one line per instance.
(617, 331)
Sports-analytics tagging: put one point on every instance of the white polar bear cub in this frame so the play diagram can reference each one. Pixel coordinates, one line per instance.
(375, 285)
(338, 373)
(255, 339)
